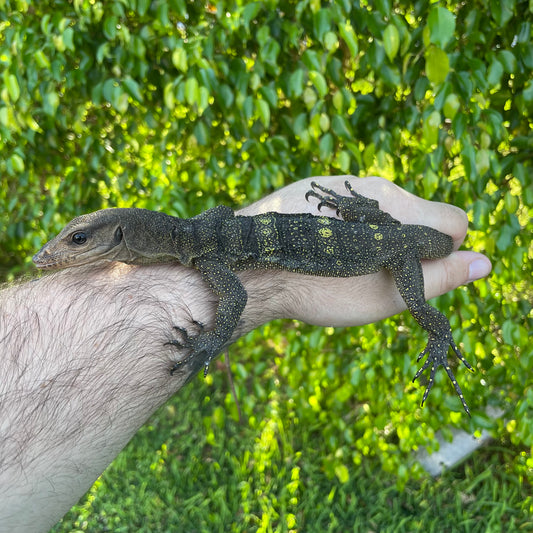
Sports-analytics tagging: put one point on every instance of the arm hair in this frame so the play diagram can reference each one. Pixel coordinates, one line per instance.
(84, 364)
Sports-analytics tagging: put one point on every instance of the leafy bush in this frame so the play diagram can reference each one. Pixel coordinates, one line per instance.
(183, 105)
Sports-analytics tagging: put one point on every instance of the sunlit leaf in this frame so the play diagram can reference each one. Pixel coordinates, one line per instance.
(437, 65)
(391, 41)
(441, 26)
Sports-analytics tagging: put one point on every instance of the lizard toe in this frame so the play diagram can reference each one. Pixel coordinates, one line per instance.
(437, 350)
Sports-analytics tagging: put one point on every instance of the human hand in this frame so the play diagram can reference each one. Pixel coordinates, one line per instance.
(364, 299)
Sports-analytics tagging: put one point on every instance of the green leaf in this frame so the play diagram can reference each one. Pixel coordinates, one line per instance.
(300, 123)
(391, 41)
(270, 51)
(309, 97)
(331, 42)
(248, 107)
(121, 102)
(325, 147)
(191, 90)
(133, 89)
(225, 95)
(142, 6)
(249, 13)
(68, 38)
(437, 65)
(12, 86)
(296, 83)
(50, 103)
(311, 60)
(41, 59)
(508, 60)
(179, 59)
(162, 13)
(430, 183)
(451, 106)
(169, 97)
(263, 111)
(15, 164)
(343, 161)
(527, 93)
(203, 100)
(322, 22)
(502, 11)
(318, 80)
(110, 27)
(102, 52)
(441, 24)
(4, 116)
(468, 155)
(524, 34)
(201, 132)
(270, 95)
(482, 161)
(390, 75)
(348, 35)
(430, 128)
(505, 238)
(464, 85)
(444, 90)
(495, 73)
(341, 127)
(338, 100)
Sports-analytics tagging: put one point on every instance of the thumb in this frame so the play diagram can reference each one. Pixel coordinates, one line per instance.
(459, 268)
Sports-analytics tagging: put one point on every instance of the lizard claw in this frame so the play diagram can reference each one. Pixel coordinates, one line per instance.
(329, 199)
(186, 342)
(437, 350)
(206, 345)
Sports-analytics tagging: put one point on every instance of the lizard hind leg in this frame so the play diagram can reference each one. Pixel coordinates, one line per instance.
(437, 350)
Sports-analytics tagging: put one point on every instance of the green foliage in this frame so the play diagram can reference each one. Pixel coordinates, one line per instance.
(182, 105)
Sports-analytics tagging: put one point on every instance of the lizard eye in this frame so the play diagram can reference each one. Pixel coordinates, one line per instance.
(79, 238)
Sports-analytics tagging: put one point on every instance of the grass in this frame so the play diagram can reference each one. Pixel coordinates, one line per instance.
(194, 468)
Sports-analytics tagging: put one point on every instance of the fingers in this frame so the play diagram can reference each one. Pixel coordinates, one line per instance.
(457, 269)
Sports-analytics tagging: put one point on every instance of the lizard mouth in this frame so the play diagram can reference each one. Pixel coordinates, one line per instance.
(44, 260)
(47, 262)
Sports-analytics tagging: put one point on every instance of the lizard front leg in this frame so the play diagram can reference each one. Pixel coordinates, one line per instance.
(410, 282)
(232, 301)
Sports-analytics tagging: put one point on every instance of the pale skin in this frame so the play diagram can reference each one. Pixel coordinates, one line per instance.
(85, 362)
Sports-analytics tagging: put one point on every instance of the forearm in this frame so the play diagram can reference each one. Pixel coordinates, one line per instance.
(84, 364)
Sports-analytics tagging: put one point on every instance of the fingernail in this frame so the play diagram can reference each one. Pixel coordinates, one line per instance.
(479, 269)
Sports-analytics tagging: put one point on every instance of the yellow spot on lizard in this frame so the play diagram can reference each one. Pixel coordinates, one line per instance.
(325, 233)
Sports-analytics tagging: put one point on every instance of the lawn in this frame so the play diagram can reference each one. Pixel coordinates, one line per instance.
(193, 467)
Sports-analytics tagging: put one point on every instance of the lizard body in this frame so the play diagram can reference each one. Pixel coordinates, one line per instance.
(218, 243)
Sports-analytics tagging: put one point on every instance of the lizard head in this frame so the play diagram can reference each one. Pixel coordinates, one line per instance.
(85, 239)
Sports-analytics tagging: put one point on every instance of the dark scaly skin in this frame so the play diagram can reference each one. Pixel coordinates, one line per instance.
(406, 269)
(218, 243)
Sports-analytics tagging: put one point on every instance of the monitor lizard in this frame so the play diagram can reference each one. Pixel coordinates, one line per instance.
(218, 243)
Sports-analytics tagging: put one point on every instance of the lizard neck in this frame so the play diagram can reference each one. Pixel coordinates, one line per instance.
(150, 237)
